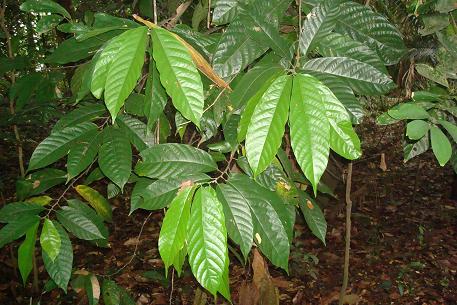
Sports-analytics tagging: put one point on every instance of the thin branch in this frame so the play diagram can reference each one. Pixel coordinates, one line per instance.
(348, 234)
(208, 21)
(226, 170)
(154, 3)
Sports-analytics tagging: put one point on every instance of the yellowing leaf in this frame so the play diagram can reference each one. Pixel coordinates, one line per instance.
(41, 200)
(96, 200)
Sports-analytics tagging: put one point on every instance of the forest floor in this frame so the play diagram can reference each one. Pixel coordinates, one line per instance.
(403, 248)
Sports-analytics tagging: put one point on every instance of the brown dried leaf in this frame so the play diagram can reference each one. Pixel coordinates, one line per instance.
(382, 163)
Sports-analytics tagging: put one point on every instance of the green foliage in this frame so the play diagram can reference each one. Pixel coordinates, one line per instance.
(303, 87)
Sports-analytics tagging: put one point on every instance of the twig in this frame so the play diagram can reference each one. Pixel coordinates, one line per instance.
(154, 3)
(172, 285)
(348, 234)
(208, 21)
(215, 100)
(226, 170)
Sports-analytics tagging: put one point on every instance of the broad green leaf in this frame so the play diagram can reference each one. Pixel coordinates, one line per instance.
(386, 119)
(433, 74)
(417, 129)
(309, 128)
(207, 240)
(14, 211)
(252, 82)
(267, 126)
(236, 50)
(136, 132)
(95, 218)
(56, 145)
(200, 41)
(264, 31)
(115, 156)
(450, 128)
(72, 50)
(16, 228)
(344, 140)
(23, 89)
(318, 23)
(60, 269)
(426, 96)
(76, 222)
(178, 75)
(153, 195)
(173, 232)
(313, 216)
(412, 150)
(47, 23)
(26, 252)
(225, 11)
(238, 218)
(165, 160)
(445, 6)
(50, 239)
(83, 153)
(44, 6)
(344, 94)
(84, 113)
(362, 77)
(112, 190)
(125, 69)
(433, 23)
(134, 105)
(362, 24)
(248, 111)
(335, 44)
(271, 218)
(39, 182)
(155, 96)
(96, 200)
(441, 146)
(410, 111)
(94, 175)
(103, 63)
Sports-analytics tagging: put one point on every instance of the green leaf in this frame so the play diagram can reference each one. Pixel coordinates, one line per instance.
(96, 200)
(172, 236)
(410, 111)
(135, 131)
(224, 11)
(60, 269)
(94, 175)
(252, 82)
(412, 150)
(39, 182)
(104, 62)
(44, 6)
(417, 129)
(50, 239)
(432, 74)
(238, 218)
(84, 113)
(178, 75)
(154, 195)
(16, 228)
(338, 45)
(433, 23)
(57, 145)
(318, 23)
(24, 88)
(72, 50)
(207, 240)
(134, 104)
(155, 96)
(309, 128)
(362, 24)
(79, 224)
(83, 153)
(267, 126)
(450, 128)
(15, 210)
(115, 156)
(47, 23)
(26, 252)
(235, 50)
(441, 146)
(344, 94)
(125, 69)
(165, 160)
(344, 140)
(364, 78)
(313, 216)
(445, 6)
(271, 217)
